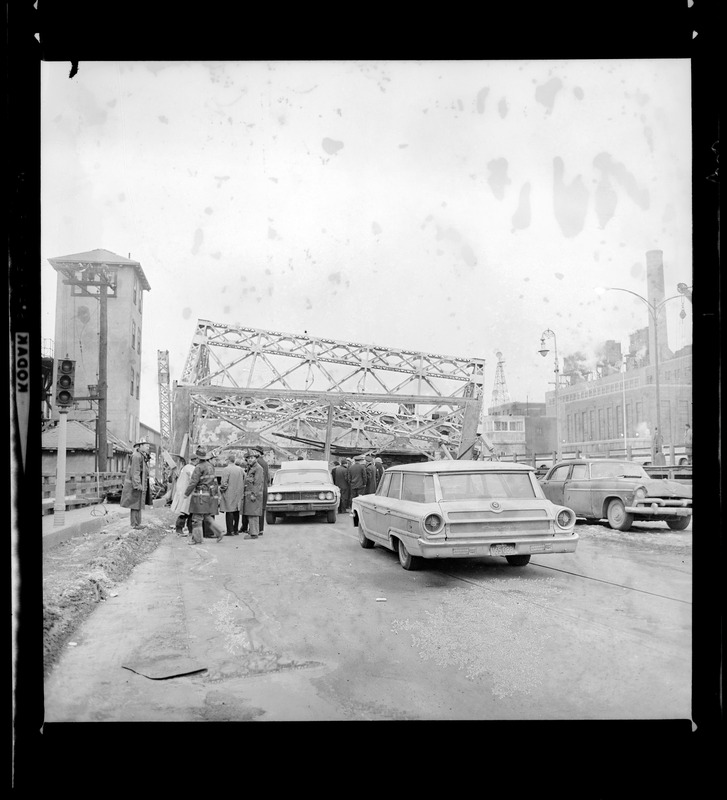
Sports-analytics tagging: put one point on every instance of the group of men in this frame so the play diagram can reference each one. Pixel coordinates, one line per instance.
(241, 494)
(356, 476)
(197, 496)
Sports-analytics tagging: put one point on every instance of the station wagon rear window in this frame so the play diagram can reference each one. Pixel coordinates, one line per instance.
(302, 476)
(469, 485)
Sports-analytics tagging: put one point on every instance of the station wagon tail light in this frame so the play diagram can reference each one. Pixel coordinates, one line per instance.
(565, 518)
(433, 523)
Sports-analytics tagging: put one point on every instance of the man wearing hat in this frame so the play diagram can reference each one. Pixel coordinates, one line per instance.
(253, 501)
(266, 479)
(359, 477)
(202, 489)
(136, 483)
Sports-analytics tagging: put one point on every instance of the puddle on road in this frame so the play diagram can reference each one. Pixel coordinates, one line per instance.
(497, 636)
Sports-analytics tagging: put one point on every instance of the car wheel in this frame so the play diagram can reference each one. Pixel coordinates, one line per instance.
(363, 540)
(270, 518)
(678, 524)
(406, 559)
(618, 519)
(518, 561)
(331, 515)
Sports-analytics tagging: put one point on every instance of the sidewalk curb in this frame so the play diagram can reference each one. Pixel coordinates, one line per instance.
(52, 538)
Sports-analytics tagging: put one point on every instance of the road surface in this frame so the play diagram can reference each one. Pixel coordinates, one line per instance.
(304, 624)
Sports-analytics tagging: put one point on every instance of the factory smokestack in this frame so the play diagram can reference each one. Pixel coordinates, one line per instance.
(655, 296)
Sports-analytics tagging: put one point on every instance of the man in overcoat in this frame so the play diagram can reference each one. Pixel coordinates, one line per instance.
(253, 495)
(342, 480)
(370, 475)
(136, 484)
(359, 477)
(231, 487)
(266, 471)
(379, 466)
(203, 505)
(180, 501)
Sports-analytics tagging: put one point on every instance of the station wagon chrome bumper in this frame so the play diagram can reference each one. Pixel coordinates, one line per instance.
(466, 548)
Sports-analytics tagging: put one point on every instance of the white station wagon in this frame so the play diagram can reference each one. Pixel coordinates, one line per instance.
(463, 509)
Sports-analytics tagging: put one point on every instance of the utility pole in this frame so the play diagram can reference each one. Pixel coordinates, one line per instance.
(101, 421)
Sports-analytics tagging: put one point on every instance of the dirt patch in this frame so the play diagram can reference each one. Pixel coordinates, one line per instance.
(82, 572)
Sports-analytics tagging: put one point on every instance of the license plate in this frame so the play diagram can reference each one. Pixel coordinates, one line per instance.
(502, 549)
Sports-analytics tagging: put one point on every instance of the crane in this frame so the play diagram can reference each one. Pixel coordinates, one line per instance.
(165, 425)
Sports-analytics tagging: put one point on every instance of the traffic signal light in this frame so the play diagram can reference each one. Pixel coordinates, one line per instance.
(65, 378)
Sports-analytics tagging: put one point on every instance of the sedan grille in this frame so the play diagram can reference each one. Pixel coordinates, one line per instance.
(288, 496)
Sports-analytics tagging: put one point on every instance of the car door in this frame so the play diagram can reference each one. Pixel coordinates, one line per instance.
(380, 503)
(577, 491)
(554, 484)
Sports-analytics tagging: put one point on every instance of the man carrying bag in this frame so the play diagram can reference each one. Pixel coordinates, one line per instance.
(203, 504)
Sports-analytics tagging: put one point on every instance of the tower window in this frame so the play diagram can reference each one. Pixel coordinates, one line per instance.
(131, 392)
(133, 335)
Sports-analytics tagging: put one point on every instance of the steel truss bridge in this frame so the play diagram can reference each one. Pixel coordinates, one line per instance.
(291, 390)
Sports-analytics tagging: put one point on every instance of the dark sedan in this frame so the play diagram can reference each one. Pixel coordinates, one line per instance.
(619, 491)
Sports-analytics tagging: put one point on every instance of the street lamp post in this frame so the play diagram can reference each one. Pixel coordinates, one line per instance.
(548, 334)
(654, 310)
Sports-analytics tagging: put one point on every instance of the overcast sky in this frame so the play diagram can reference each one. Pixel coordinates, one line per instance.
(453, 207)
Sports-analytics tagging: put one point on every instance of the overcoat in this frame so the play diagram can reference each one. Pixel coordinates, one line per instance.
(180, 502)
(254, 486)
(136, 483)
(266, 473)
(358, 475)
(231, 488)
(203, 477)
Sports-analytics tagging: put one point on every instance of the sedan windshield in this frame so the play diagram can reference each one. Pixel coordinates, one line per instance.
(301, 476)
(622, 469)
(463, 486)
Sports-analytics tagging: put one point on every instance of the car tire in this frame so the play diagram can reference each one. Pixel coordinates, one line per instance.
(406, 559)
(331, 516)
(270, 518)
(363, 540)
(518, 561)
(618, 519)
(679, 524)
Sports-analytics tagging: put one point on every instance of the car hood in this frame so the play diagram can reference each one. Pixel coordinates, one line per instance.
(667, 488)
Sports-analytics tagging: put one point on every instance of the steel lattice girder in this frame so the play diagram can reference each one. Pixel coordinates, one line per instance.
(165, 427)
(273, 382)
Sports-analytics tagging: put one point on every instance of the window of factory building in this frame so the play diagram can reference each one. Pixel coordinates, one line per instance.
(136, 288)
(601, 424)
(500, 426)
(141, 294)
(131, 391)
(133, 335)
(629, 419)
(138, 381)
(591, 424)
(609, 423)
(138, 341)
(517, 425)
(619, 421)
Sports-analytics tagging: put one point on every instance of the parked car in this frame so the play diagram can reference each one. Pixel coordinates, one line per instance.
(300, 489)
(618, 490)
(461, 509)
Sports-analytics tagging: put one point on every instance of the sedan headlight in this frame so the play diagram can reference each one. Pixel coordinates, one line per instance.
(640, 494)
(329, 495)
(565, 518)
(433, 523)
(277, 496)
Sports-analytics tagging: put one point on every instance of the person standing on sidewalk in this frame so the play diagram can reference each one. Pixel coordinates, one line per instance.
(180, 501)
(379, 466)
(202, 491)
(688, 442)
(370, 475)
(136, 484)
(231, 486)
(253, 495)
